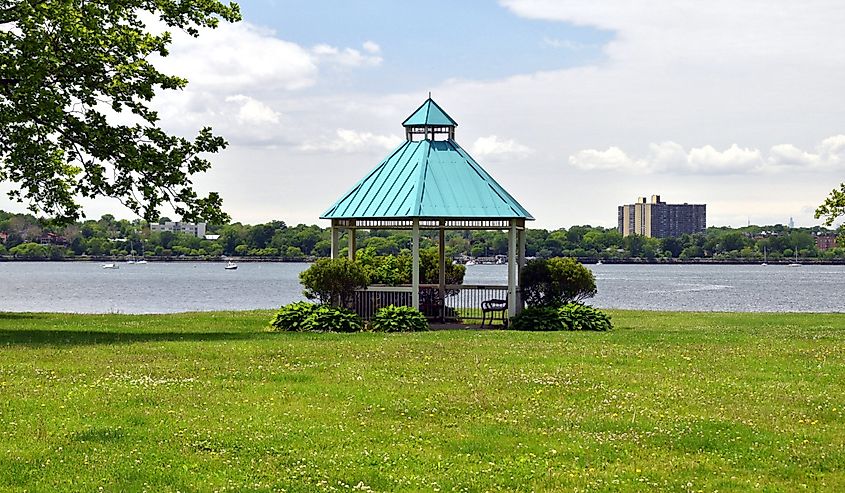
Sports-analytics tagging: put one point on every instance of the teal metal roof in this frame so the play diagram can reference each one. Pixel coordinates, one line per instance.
(427, 179)
(429, 114)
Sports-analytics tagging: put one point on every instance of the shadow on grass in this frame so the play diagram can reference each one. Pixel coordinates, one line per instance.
(74, 338)
(19, 316)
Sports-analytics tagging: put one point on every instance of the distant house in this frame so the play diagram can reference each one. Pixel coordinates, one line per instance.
(825, 241)
(3, 236)
(212, 237)
(53, 239)
(766, 234)
(197, 229)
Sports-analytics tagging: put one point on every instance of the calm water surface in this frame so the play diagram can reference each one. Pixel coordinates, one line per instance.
(157, 287)
(742, 288)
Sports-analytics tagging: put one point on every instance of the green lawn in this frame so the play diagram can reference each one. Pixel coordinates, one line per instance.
(210, 402)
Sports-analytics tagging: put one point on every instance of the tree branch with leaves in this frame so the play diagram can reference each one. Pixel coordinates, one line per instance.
(66, 67)
(833, 206)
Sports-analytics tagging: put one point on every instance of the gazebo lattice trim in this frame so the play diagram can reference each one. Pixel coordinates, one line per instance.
(428, 224)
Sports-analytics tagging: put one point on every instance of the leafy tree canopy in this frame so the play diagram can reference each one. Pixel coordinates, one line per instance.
(333, 280)
(66, 68)
(555, 282)
(833, 206)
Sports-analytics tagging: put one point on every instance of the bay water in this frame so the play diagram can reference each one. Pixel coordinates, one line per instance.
(168, 287)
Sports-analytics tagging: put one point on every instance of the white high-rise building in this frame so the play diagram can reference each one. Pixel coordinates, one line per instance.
(197, 229)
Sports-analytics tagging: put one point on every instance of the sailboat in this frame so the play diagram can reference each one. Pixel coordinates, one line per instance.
(143, 259)
(764, 257)
(795, 262)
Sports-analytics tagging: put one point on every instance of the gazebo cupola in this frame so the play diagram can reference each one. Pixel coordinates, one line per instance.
(429, 122)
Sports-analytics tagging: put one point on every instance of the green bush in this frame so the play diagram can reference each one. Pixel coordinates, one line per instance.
(292, 317)
(31, 251)
(399, 319)
(555, 282)
(393, 270)
(333, 281)
(572, 316)
(326, 318)
(583, 317)
(537, 318)
(309, 317)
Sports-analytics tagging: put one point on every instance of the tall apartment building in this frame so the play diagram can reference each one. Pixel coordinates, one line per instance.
(197, 229)
(657, 219)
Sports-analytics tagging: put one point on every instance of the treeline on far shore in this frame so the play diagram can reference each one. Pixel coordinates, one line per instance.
(25, 237)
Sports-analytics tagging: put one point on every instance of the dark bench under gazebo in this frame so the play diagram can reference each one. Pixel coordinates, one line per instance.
(431, 183)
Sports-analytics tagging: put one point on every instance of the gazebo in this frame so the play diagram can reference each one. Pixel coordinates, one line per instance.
(431, 183)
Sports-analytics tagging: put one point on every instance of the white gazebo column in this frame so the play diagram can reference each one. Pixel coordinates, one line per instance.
(520, 264)
(442, 278)
(335, 241)
(512, 302)
(351, 252)
(415, 264)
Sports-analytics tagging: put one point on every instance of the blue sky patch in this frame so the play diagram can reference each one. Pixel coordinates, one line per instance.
(425, 43)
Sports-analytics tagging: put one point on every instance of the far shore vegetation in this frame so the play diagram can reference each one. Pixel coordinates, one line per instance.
(23, 236)
(216, 402)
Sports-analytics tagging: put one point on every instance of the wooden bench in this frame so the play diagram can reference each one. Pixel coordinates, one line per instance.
(492, 308)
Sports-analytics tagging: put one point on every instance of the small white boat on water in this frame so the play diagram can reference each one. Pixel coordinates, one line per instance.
(139, 259)
(470, 262)
(231, 265)
(599, 263)
(111, 266)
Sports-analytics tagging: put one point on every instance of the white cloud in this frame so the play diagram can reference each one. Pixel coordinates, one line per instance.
(733, 160)
(244, 56)
(348, 57)
(787, 155)
(829, 154)
(252, 111)
(566, 44)
(612, 159)
(238, 57)
(832, 151)
(349, 141)
(731, 31)
(242, 79)
(371, 47)
(496, 148)
(707, 160)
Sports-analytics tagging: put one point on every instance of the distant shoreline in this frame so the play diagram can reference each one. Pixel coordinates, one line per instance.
(587, 261)
(123, 259)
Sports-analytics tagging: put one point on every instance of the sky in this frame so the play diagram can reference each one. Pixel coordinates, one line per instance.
(574, 107)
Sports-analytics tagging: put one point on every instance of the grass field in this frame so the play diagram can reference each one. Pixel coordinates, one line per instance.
(210, 402)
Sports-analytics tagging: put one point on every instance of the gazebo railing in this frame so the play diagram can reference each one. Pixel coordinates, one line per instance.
(370, 299)
(462, 303)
